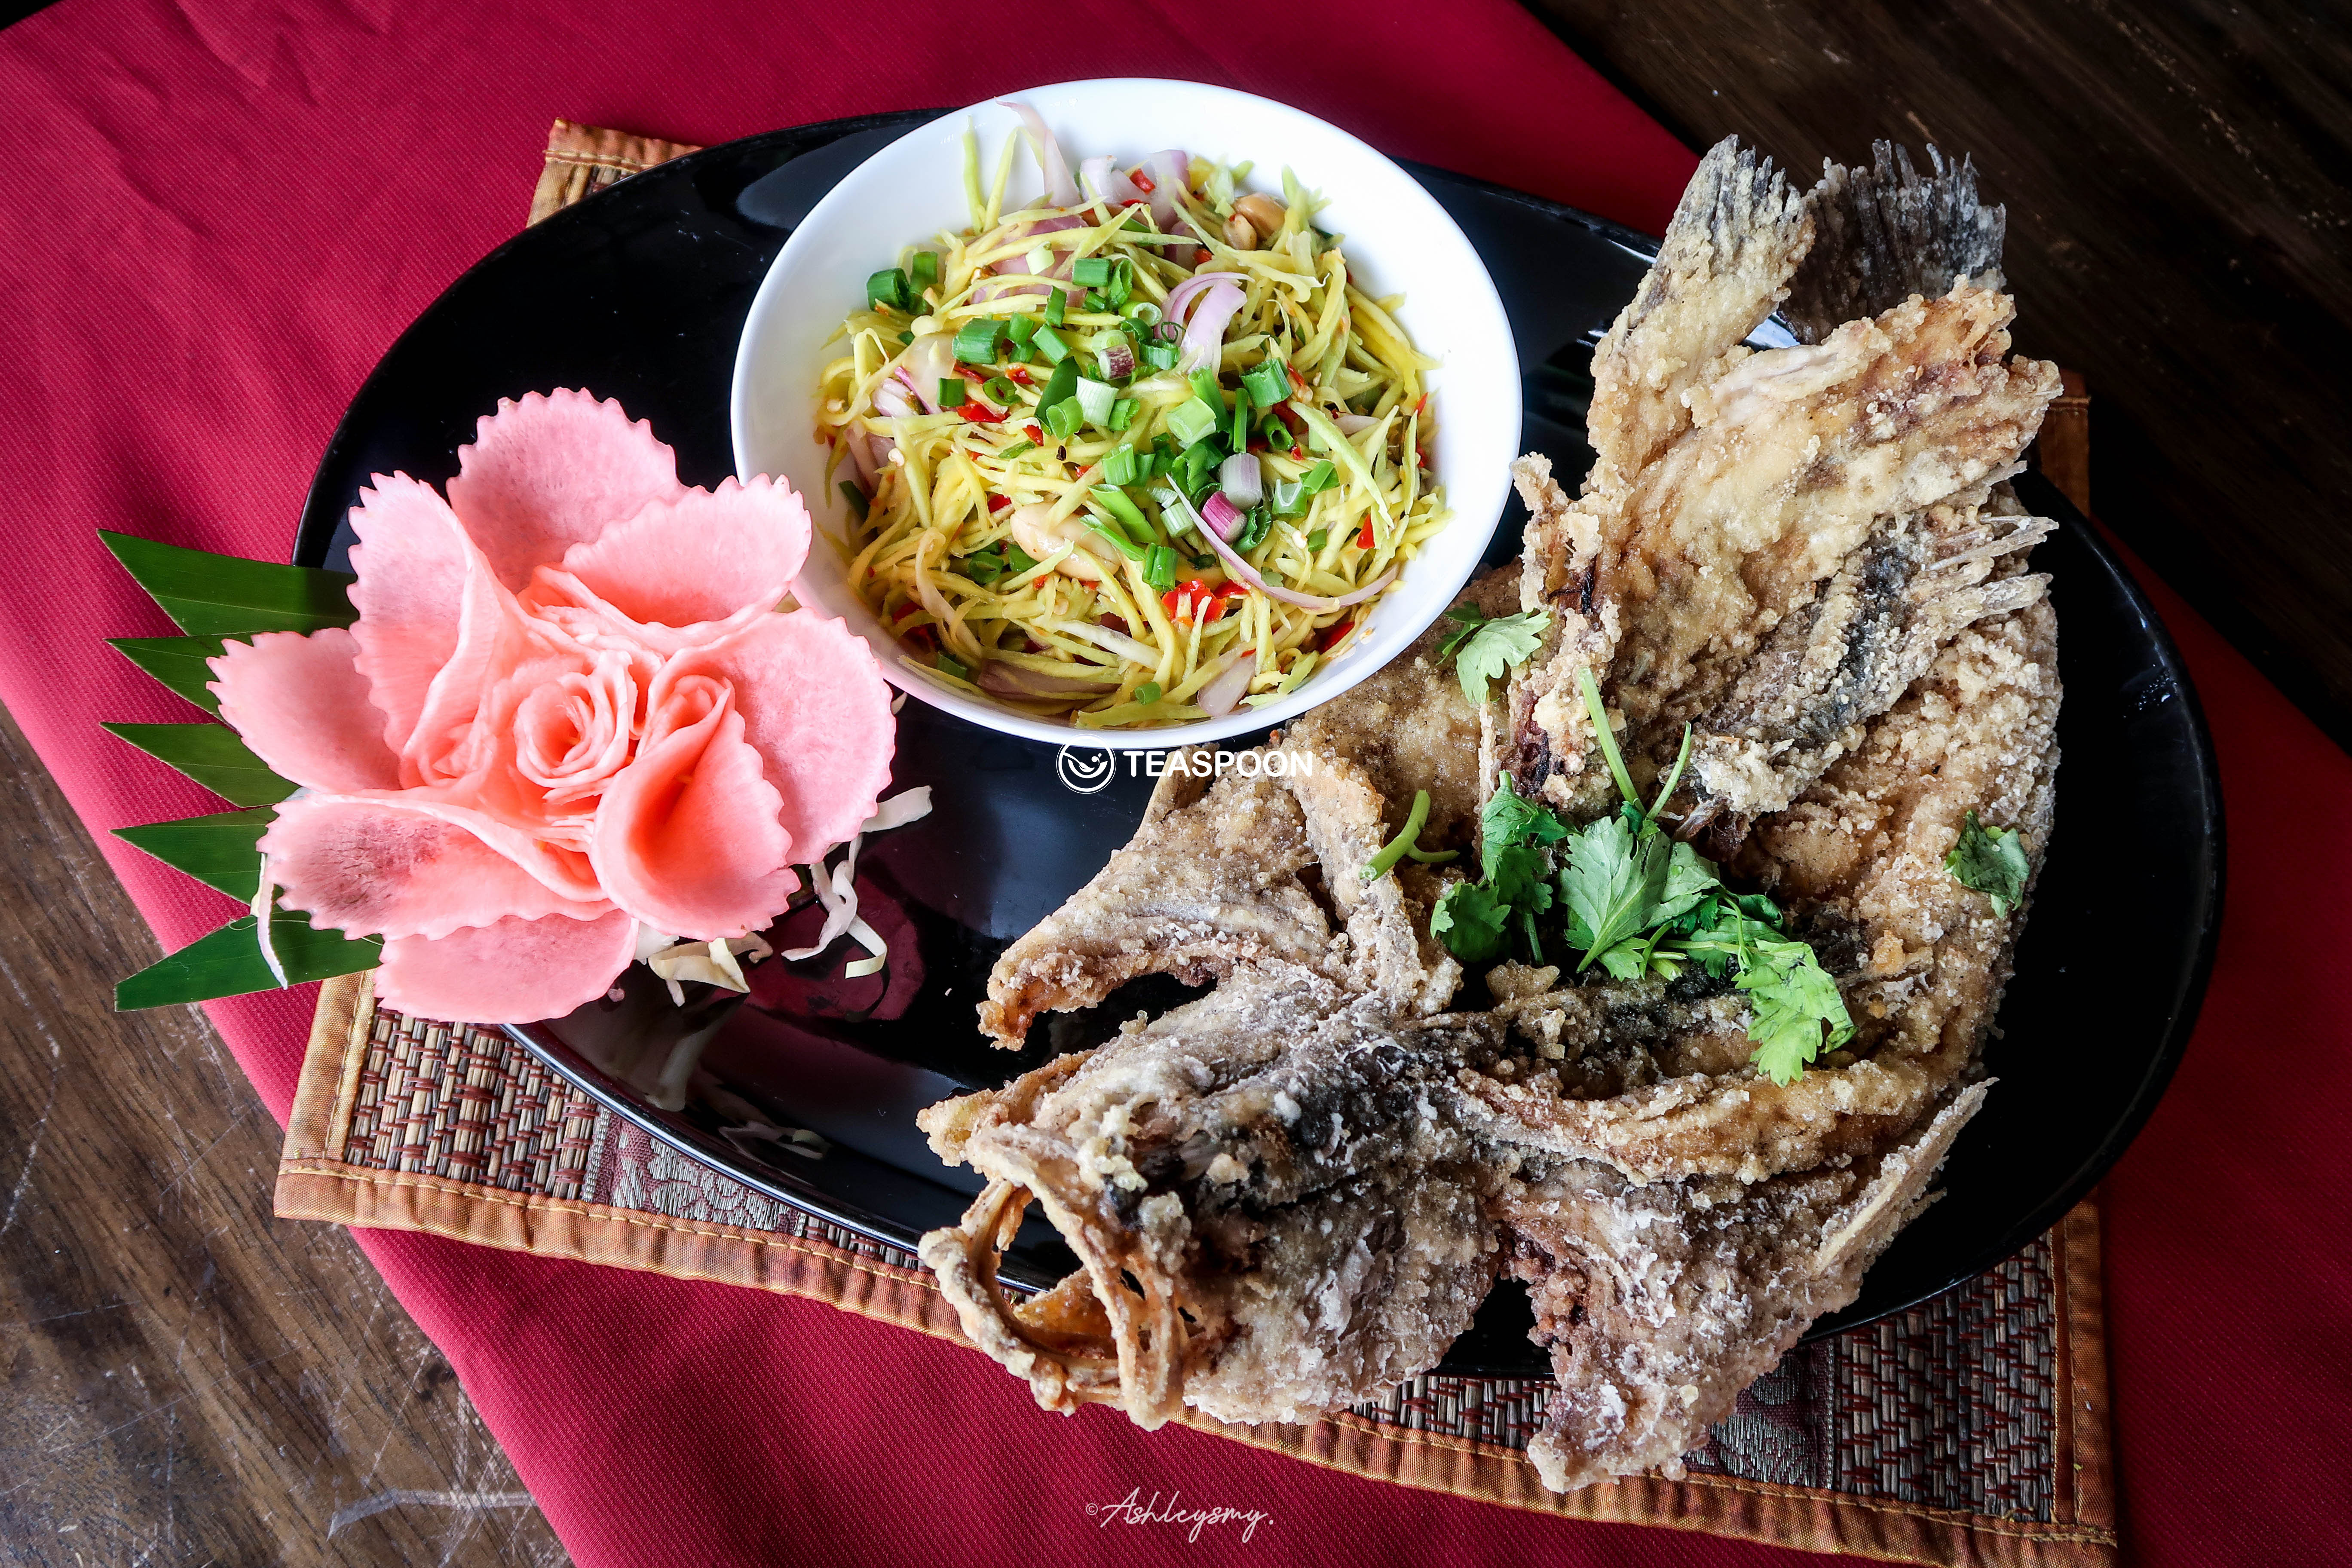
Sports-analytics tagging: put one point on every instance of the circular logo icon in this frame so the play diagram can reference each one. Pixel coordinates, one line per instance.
(1085, 768)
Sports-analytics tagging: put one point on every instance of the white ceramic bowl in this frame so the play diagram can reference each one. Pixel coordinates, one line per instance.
(1397, 239)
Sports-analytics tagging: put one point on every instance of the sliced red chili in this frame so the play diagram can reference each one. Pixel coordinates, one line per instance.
(1036, 436)
(1331, 636)
(980, 413)
(1364, 535)
(998, 504)
(1203, 255)
(1143, 182)
(1020, 373)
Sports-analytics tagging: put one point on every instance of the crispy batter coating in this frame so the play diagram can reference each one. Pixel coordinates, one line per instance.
(1660, 1303)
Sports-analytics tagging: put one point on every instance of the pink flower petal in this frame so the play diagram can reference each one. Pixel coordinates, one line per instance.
(301, 704)
(508, 972)
(557, 598)
(686, 837)
(413, 563)
(553, 472)
(398, 864)
(817, 710)
(699, 558)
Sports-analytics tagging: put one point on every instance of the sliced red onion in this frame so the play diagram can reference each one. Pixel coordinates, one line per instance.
(1181, 295)
(892, 395)
(1240, 478)
(1112, 184)
(1167, 170)
(1204, 335)
(1242, 572)
(929, 362)
(1060, 189)
(861, 456)
(1119, 360)
(1224, 520)
(1225, 694)
(1005, 680)
(1353, 424)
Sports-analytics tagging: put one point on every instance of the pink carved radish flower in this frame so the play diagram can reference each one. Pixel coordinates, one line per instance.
(569, 706)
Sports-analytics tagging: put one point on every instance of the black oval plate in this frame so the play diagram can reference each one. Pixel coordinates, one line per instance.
(639, 293)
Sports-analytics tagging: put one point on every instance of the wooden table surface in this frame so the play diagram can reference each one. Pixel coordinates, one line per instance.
(190, 1381)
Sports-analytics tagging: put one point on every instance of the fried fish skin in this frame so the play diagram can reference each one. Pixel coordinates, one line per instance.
(1734, 489)
(1660, 1303)
(1272, 1215)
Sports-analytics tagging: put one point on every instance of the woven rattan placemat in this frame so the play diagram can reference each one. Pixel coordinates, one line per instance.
(1969, 1430)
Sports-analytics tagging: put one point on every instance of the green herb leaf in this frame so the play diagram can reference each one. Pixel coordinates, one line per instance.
(1470, 921)
(218, 850)
(1791, 996)
(213, 756)
(177, 662)
(228, 963)
(1488, 650)
(227, 595)
(1991, 861)
(1511, 818)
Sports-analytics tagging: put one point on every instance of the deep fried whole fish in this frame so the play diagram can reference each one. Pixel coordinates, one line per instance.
(1772, 544)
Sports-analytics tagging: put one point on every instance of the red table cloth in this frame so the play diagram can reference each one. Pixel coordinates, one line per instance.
(223, 212)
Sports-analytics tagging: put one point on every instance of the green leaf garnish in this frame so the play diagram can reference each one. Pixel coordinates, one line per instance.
(229, 963)
(218, 851)
(1991, 861)
(213, 756)
(224, 596)
(1639, 903)
(1485, 649)
(177, 662)
(1470, 921)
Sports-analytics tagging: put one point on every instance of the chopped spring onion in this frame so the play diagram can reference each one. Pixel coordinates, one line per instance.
(976, 340)
(1122, 414)
(1110, 530)
(1318, 480)
(1318, 539)
(1204, 387)
(1021, 328)
(887, 287)
(1058, 388)
(1093, 272)
(1095, 398)
(1190, 422)
(952, 391)
(1149, 693)
(1000, 390)
(856, 498)
(1267, 382)
(1062, 420)
(923, 270)
(1119, 466)
(1142, 312)
(1160, 356)
(1199, 461)
(1050, 345)
(1178, 513)
(1057, 304)
(1006, 453)
(1289, 498)
(948, 666)
(1115, 500)
(1160, 567)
